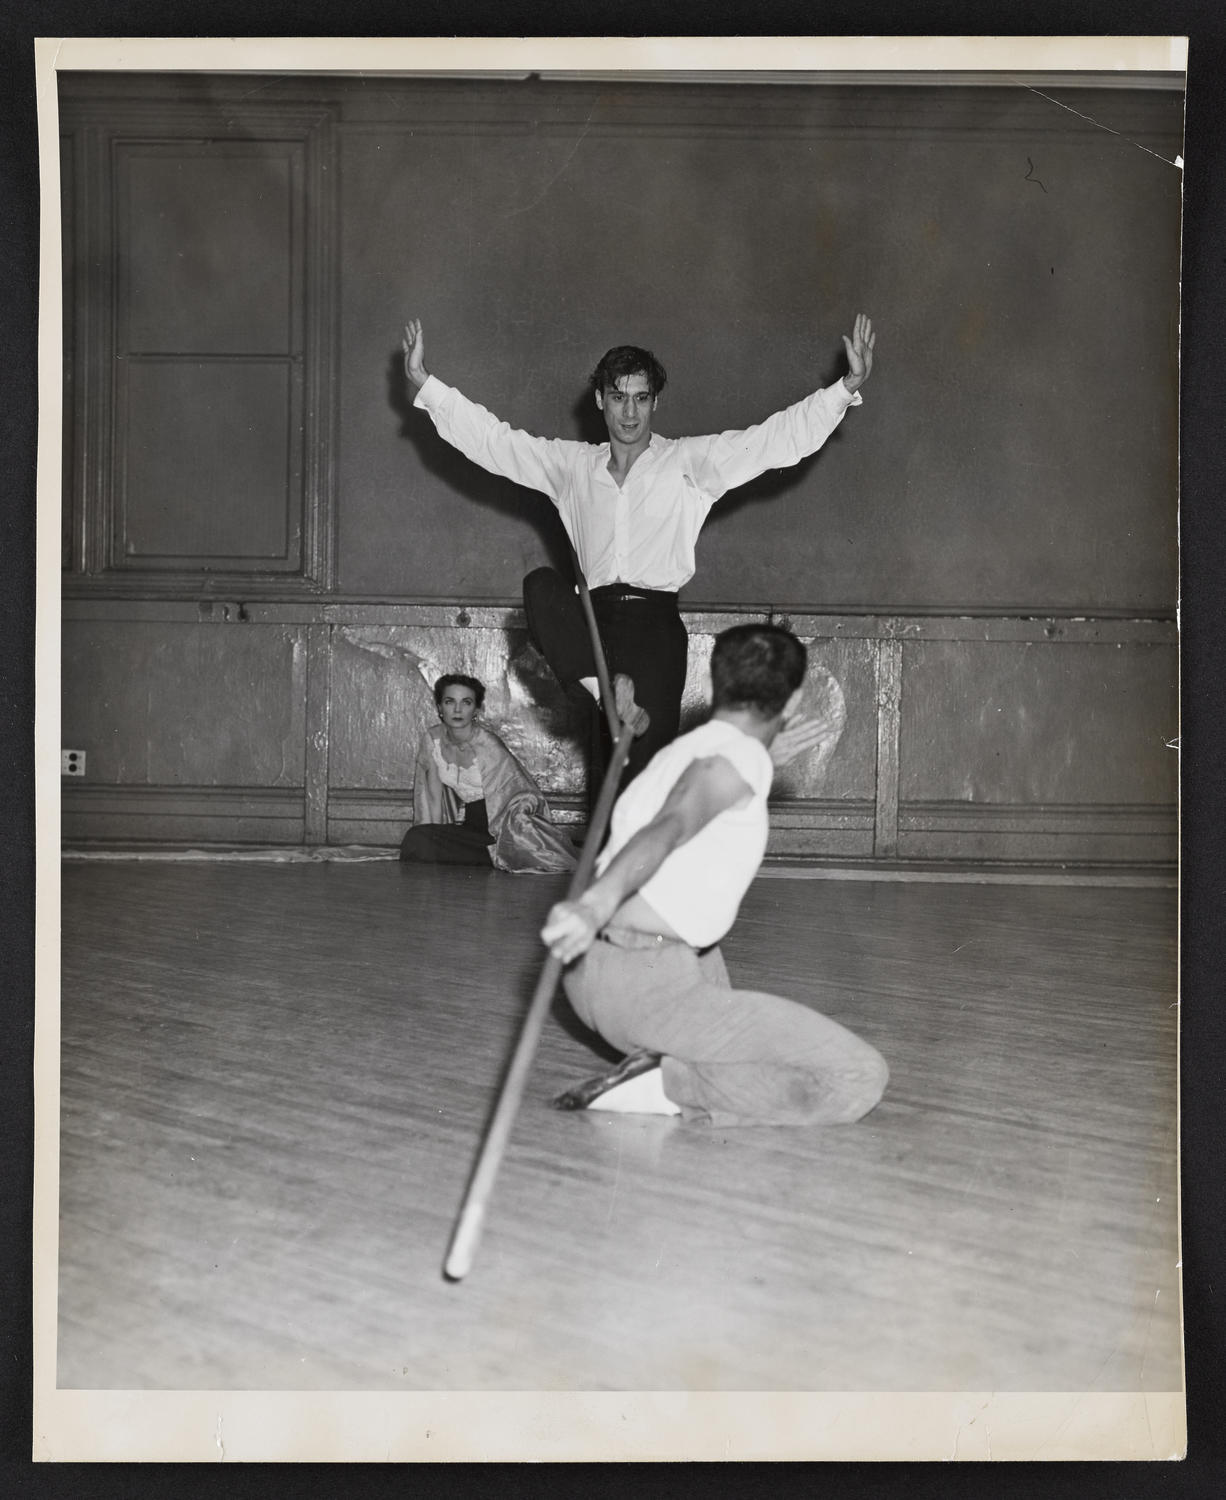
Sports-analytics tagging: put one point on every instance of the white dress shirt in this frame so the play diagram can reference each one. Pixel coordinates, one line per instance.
(644, 532)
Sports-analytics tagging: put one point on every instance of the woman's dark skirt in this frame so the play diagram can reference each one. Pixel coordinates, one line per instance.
(466, 843)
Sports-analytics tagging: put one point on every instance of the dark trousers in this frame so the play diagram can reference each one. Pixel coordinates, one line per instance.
(466, 843)
(643, 636)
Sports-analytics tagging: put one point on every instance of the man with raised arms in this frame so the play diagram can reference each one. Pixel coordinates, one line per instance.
(633, 508)
(686, 839)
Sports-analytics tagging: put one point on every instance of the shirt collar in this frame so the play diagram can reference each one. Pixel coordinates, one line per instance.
(603, 450)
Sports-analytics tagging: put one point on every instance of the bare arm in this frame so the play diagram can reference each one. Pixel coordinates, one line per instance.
(704, 790)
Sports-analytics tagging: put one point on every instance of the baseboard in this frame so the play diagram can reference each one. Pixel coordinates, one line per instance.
(1050, 835)
(94, 814)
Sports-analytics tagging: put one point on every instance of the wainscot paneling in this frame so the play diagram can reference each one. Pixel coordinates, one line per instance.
(1037, 722)
(1044, 742)
(1010, 750)
(191, 730)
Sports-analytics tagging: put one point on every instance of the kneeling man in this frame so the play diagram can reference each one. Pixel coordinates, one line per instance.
(686, 839)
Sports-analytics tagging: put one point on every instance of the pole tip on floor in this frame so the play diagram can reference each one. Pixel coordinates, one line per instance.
(463, 1248)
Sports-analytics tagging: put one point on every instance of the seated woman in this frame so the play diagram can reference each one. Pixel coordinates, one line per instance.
(473, 803)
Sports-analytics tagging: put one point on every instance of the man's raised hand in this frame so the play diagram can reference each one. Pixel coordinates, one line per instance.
(414, 346)
(859, 353)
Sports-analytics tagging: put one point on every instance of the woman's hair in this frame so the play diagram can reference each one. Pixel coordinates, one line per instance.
(456, 679)
(628, 359)
(757, 667)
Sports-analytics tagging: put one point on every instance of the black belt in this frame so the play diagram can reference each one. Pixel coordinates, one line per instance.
(609, 591)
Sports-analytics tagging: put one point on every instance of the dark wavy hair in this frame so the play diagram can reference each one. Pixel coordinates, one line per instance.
(757, 667)
(628, 359)
(456, 679)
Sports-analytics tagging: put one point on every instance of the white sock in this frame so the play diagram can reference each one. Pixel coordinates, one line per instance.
(593, 686)
(643, 1095)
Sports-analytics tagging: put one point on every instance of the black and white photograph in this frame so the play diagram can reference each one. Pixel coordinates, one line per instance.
(618, 715)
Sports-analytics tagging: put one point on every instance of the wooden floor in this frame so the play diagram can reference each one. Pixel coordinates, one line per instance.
(275, 1079)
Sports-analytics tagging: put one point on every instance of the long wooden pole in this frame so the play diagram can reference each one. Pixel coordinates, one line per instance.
(602, 666)
(467, 1233)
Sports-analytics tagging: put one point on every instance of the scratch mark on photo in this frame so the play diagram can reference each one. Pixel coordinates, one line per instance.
(1030, 177)
(1175, 162)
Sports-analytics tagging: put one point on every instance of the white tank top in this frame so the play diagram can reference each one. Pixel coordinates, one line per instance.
(699, 887)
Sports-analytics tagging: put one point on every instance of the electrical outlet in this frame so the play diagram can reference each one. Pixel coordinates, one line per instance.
(72, 762)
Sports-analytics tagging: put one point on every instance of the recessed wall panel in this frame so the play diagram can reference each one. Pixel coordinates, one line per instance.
(210, 467)
(163, 704)
(1025, 722)
(209, 253)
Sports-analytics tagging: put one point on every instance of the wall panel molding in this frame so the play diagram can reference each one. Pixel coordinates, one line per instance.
(815, 827)
(874, 625)
(1144, 100)
(889, 701)
(117, 385)
(859, 109)
(318, 718)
